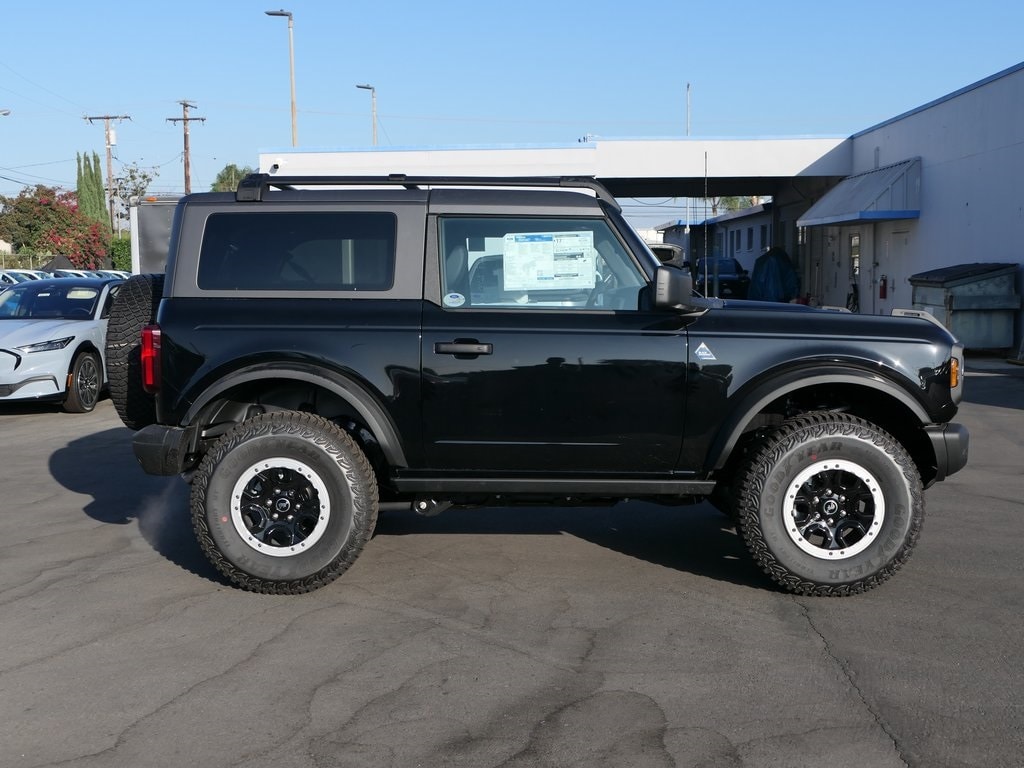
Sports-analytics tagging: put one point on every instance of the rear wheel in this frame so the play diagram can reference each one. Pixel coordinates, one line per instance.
(284, 503)
(84, 383)
(134, 307)
(830, 505)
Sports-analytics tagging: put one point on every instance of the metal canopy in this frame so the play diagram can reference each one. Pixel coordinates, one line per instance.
(884, 194)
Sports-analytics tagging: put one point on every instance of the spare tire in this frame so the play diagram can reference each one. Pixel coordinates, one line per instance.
(134, 307)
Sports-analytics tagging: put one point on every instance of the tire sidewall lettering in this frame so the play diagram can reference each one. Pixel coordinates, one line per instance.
(856, 442)
(218, 505)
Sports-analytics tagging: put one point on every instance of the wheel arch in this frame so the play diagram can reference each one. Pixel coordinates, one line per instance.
(87, 345)
(281, 378)
(879, 400)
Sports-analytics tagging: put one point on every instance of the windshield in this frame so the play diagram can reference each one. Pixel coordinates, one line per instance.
(30, 300)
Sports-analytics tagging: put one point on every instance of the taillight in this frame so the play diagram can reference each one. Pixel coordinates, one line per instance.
(150, 358)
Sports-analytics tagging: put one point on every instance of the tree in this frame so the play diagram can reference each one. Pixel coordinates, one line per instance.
(134, 181)
(121, 252)
(227, 180)
(90, 189)
(47, 220)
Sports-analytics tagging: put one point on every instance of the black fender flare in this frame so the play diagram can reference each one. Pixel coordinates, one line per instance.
(763, 392)
(345, 387)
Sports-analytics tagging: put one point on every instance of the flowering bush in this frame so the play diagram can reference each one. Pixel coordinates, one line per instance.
(47, 220)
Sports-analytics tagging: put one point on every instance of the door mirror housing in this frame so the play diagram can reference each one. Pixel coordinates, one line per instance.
(673, 288)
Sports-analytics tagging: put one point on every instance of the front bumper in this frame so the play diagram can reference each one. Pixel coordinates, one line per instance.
(162, 450)
(950, 443)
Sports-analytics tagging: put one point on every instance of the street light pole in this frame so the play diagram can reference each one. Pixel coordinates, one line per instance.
(291, 67)
(373, 108)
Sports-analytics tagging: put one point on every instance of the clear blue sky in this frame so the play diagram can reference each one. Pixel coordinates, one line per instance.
(467, 72)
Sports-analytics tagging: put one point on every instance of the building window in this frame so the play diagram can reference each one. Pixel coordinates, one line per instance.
(750, 238)
(854, 257)
(764, 237)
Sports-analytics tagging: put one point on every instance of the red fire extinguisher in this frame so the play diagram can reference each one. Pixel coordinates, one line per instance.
(883, 287)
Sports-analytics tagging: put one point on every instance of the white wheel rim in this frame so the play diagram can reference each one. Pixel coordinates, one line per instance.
(280, 507)
(834, 509)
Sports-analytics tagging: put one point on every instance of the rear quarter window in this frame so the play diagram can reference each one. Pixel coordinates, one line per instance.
(283, 251)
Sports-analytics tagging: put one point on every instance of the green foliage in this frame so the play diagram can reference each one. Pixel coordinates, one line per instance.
(121, 252)
(133, 181)
(91, 201)
(227, 180)
(47, 220)
(735, 203)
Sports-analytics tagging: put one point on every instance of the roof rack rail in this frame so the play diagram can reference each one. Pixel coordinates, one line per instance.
(252, 187)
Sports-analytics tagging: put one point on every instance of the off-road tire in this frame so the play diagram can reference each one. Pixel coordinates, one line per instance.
(134, 307)
(831, 505)
(267, 468)
(85, 383)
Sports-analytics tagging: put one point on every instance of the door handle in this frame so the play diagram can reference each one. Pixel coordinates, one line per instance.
(462, 348)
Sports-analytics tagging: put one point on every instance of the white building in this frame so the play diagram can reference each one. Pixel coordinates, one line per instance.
(934, 187)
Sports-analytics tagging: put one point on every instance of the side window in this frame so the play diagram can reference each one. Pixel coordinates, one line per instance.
(535, 263)
(282, 251)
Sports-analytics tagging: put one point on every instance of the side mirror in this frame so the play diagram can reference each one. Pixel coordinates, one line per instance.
(673, 288)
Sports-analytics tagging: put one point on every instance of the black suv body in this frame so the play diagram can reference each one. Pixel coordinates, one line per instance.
(314, 353)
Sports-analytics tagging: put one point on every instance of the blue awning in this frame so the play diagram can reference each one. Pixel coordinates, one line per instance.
(884, 194)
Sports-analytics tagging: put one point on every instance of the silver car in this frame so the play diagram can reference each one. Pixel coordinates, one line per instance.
(52, 341)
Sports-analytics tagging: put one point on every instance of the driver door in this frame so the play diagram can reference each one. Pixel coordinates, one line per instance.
(541, 357)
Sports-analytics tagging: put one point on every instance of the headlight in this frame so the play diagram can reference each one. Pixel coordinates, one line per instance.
(46, 346)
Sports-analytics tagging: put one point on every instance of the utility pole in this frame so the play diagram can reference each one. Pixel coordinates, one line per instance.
(110, 140)
(185, 120)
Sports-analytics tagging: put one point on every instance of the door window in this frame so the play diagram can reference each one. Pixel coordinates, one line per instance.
(535, 263)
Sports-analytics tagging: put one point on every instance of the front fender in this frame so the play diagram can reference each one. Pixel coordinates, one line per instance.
(748, 404)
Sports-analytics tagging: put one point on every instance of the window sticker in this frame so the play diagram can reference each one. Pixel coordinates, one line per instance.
(548, 261)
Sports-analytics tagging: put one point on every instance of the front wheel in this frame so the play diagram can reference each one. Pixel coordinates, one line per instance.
(284, 503)
(84, 383)
(830, 505)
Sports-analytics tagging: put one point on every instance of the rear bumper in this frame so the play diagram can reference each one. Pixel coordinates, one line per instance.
(950, 443)
(162, 450)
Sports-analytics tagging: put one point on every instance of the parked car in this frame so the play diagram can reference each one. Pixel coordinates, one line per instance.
(53, 340)
(32, 274)
(117, 274)
(733, 279)
(71, 273)
(670, 253)
(307, 354)
(10, 277)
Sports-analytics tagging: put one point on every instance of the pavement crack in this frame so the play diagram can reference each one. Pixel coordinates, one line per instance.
(847, 672)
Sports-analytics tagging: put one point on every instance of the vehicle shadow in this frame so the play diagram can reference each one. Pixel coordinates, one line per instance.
(32, 407)
(102, 466)
(693, 539)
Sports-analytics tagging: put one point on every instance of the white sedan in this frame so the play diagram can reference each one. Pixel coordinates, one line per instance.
(52, 340)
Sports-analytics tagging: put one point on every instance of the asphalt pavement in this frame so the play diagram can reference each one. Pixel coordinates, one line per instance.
(635, 635)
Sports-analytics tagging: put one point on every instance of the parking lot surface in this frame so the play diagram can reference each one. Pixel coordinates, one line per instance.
(635, 635)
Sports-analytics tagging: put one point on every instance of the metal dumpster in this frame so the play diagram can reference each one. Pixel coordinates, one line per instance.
(978, 303)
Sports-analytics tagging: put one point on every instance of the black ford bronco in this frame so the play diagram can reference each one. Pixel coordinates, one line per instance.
(318, 347)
